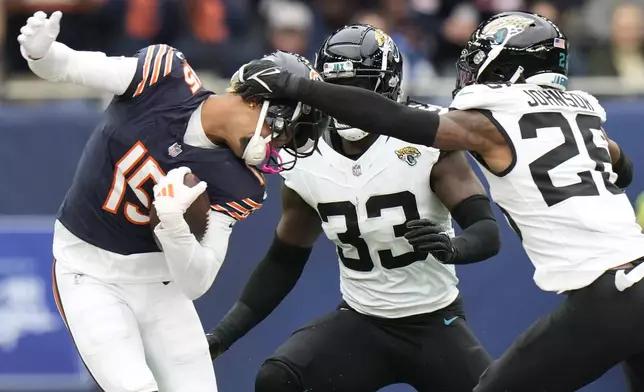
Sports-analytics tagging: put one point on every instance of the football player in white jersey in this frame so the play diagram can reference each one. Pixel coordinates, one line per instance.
(554, 172)
(401, 319)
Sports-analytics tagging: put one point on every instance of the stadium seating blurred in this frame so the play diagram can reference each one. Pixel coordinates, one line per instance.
(44, 126)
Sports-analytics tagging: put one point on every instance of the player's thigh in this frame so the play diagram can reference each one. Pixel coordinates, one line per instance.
(175, 343)
(452, 359)
(594, 329)
(341, 351)
(104, 330)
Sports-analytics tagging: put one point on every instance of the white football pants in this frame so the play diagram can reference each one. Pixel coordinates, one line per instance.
(135, 337)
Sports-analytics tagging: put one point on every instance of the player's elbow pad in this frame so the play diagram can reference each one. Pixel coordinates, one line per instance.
(624, 170)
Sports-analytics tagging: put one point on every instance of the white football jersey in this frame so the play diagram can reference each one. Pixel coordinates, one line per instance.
(363, 205)
(559, 193)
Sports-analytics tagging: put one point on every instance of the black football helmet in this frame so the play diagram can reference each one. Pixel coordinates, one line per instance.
(362, 56)
(515, 46)
(299, 124)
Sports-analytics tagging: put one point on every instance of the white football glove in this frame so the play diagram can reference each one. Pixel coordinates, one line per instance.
(172, 197)
(37, 35)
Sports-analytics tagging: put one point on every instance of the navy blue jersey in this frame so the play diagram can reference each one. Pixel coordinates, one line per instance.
(139, 140)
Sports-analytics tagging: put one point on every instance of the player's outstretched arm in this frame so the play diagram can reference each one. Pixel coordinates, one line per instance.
(454, 182)
(275, 276)
(622, 164)
(370, 111)
(56, 62)
(193, 266)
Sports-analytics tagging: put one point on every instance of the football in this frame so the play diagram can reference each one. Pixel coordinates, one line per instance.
(197, 214)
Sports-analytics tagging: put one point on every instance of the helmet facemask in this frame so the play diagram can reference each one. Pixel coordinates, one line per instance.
(300, 126)
(294, 127)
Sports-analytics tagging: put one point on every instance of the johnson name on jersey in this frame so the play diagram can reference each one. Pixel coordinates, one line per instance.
(140, 139)
(558, 194)
(364, 205)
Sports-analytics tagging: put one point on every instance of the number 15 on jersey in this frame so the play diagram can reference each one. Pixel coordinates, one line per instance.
(148, 170)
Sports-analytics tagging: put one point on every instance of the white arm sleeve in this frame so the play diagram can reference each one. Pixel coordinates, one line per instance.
(194, 266)
(91, 69)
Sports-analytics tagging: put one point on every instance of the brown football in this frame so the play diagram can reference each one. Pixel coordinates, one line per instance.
(197, 214)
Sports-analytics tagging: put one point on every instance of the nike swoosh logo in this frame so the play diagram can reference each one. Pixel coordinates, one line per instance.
(449, 321)
(272, 71)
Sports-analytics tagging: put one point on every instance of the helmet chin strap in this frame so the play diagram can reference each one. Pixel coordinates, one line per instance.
(517, 75)
(256, 151)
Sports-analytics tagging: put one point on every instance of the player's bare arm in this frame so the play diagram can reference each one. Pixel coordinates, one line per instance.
(275, 276)
(454, 182)
(622, 164)
(300, 224)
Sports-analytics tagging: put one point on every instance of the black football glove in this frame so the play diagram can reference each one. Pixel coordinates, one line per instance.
(263, 79)
(215, 346)
(426, 237)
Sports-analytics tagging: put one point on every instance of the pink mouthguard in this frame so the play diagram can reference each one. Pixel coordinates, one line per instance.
(272, 169)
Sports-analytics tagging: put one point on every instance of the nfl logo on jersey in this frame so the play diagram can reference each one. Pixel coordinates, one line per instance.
(357, 170)
(174, 150)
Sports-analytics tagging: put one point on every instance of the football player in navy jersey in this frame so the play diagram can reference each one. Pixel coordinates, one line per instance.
(127, 304)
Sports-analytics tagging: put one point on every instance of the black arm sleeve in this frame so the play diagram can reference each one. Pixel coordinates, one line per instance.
(480, 238)
(270, 282)
(624, 169)
(367, 110)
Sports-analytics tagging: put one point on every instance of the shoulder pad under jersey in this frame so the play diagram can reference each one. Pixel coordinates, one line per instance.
(162, 67)
(487, 96)
(594, 102)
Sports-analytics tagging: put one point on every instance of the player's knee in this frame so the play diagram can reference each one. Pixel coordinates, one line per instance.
(276, 376)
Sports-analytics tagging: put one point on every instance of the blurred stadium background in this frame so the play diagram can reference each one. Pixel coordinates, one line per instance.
(44, 126)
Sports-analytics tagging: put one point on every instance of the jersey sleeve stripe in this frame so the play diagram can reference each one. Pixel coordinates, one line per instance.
(146, 70)
(252, 204)
(236, 210)
(168, 62)
(238, 207)
(157, 64)
(234, 214)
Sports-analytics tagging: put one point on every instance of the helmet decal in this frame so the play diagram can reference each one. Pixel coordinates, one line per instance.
(386, 44)
(510, 25)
